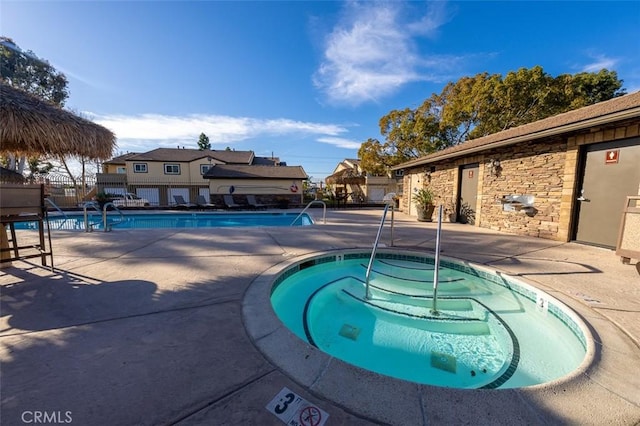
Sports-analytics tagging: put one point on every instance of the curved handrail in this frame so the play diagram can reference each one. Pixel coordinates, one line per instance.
(324, 211)
(108, 226)
(88, 227)
(55, 206)
(367, 293)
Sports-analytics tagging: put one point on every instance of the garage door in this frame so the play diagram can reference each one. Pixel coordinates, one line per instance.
(376, 194)
(178, 191)
(151, 194)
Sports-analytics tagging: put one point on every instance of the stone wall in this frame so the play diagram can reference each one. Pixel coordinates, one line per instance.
(526, 169)
(546, 169)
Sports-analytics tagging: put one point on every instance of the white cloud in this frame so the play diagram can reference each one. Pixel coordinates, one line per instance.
(372, 52)
(136, 133)
(340, 142)
(599, 62)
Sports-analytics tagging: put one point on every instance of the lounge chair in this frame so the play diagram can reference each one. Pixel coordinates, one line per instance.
(180, 202)
(203, 204)
(251, 199)
(230, 203)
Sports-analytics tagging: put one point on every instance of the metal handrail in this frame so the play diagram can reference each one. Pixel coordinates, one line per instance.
(88, 227)
(108, 226)
(55, 206)
(375, 248)
(324, 211)
(434, 307)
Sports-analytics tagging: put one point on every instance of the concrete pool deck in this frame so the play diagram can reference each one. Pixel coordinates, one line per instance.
(144, 327)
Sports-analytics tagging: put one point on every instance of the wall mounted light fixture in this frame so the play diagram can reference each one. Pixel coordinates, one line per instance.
(496, 168)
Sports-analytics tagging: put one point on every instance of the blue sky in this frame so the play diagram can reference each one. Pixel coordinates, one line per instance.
(306, 81)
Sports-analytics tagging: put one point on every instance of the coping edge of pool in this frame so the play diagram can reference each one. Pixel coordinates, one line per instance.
(383, 398)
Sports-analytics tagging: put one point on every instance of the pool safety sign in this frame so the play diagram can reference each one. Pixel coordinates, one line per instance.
(294, 410)
(612, 156)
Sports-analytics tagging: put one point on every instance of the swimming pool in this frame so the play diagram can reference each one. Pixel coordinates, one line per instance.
(491, 331)
(163, 220)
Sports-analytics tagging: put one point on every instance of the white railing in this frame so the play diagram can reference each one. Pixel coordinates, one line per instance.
(88, 226)
(375, 247)
(324, 211)
(107, 225)
(434, 307)
(55, 206)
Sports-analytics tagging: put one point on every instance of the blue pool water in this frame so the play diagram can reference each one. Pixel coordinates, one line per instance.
(490, 331)
(178, 220)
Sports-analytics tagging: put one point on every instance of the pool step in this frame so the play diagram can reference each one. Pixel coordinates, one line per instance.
(422, 301)
(451, 322)
(418, 281)
(446, 287)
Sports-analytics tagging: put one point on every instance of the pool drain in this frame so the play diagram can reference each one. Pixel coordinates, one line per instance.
(443, 361)
(349, 331)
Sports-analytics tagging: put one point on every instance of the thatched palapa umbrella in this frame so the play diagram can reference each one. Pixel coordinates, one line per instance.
(31, 126)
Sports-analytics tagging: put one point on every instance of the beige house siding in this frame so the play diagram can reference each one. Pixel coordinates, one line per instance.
(189, 173)
(255, 186)
(547, 169)
(112, 168)
(270, 191)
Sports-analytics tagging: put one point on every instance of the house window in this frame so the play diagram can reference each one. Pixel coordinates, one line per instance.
(399, 173)
(140, 167)
(121, 170)
(172, 169)
(204, 168)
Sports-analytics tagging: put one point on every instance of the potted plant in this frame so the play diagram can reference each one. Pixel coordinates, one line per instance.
(424, 201)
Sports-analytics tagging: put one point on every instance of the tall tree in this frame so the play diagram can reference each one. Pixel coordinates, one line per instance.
(481, 105)
(590, 88)
(26, 71)
(373, 157)
(203, 142)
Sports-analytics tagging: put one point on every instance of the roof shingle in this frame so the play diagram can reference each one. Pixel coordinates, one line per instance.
(188, 155)
(235, 171)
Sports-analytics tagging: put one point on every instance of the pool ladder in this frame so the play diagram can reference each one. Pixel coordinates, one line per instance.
(88, 226)
(324, 211)
(434, 307)
(55, 206)
(376, 244)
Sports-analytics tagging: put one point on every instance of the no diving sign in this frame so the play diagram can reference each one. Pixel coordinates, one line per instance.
(294, 410)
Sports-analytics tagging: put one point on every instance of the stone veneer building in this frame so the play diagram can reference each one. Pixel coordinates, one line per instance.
(563, 178)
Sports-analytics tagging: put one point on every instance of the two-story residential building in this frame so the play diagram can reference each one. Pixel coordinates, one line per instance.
(348, 179)
(163, 173)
